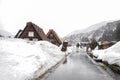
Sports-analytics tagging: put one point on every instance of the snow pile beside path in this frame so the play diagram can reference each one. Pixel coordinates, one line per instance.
(111, 55)
(20, 59)
(69, 50)
(53, 55)
(98, 53)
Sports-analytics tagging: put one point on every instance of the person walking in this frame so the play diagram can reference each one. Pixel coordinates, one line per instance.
(77, 47)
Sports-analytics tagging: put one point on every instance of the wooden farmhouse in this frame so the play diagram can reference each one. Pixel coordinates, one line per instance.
(32, 32)
(106, 44)
(53, 37)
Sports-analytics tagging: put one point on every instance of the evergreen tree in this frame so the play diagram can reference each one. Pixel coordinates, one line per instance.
(118, 32)
(93, 44)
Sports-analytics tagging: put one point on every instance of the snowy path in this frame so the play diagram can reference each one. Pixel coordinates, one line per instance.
(78, 67)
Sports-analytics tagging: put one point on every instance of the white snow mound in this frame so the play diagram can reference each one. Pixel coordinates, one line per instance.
(111, 55)
(20, 59)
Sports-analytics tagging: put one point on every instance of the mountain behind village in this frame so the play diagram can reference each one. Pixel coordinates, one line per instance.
(4, 33)
(99, 32)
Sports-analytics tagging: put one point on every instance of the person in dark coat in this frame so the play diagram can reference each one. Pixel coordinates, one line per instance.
(77, 47)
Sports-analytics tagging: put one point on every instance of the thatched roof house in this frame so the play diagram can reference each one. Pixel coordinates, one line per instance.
(106, 44)
(53, 37)
(32, 32)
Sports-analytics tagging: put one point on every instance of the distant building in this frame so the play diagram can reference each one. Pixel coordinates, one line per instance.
(32, 32)
(53, 37)
(106, 44)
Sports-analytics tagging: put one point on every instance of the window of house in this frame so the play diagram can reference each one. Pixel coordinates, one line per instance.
(30, 34)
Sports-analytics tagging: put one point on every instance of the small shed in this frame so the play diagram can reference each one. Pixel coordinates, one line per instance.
(105, 44)
(53, 37)
(32, 32)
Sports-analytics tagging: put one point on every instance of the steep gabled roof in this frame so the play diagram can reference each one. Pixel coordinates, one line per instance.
(55, 35)
(106, 42)
(39, 31)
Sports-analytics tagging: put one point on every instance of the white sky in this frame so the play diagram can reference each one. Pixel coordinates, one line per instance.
(64, 16)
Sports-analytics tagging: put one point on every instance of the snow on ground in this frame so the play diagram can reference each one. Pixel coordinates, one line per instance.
(69, 50)
(22, 60)
(111, 55)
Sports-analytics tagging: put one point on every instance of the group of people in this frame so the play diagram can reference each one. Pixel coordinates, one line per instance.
(78, 45)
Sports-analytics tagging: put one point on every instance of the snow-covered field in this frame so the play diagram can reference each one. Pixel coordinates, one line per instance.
(24, 60)
(111, 55)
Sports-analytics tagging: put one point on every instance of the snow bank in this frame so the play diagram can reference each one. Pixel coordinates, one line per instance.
(111, 55)
(98, 53)
(20, 59)
(69, 50)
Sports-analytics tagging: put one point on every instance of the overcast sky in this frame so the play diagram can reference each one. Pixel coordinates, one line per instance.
(64, 16)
